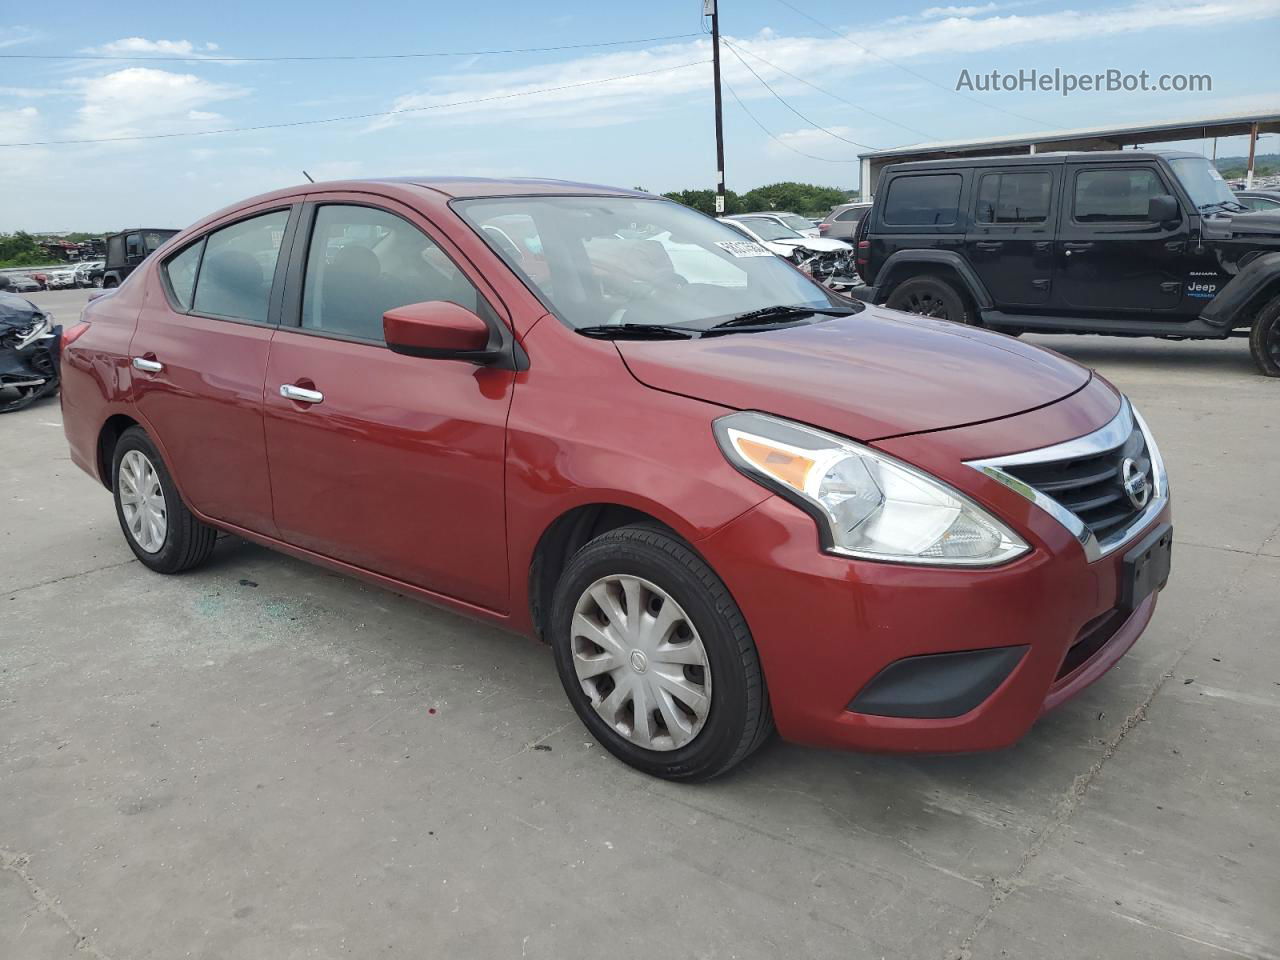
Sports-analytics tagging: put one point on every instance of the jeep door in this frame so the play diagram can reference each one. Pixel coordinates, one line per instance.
(1111, 258)
(1010, 242)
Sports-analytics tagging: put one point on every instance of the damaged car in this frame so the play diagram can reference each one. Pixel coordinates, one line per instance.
(28, 351)
(830, 262)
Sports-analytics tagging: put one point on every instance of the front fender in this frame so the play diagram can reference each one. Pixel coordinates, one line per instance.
(1230, 307)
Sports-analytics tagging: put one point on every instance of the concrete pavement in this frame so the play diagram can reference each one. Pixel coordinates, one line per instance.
(262, 759)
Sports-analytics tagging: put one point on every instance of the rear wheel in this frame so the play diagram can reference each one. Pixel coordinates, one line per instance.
(157, 525)
(930, 297)
(1264, 339)
(656, 657)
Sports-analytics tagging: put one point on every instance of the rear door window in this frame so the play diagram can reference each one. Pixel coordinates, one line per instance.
(926, 200)
(1115, 196)
(238, 267)
(133, 246)
(181, 273)
(1014, 197)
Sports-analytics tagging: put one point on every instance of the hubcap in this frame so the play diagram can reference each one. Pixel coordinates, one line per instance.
(927, 305)
(641, 662)
(142, 501)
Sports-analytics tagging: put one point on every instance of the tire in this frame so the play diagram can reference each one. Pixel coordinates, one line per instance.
(930, 297)
(186, 542)
(1264, 339)
(737, 720)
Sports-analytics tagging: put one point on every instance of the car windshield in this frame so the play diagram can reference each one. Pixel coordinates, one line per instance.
(1204, 184)
(767, 229)
(608, 261)
(796, 222)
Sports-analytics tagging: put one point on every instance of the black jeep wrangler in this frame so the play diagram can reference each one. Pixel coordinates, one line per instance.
(127, 249)
(1132, 243)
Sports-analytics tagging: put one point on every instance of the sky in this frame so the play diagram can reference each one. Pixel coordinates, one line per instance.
(633, 113)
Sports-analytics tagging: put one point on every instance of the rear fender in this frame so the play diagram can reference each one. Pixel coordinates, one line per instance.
(899, 267)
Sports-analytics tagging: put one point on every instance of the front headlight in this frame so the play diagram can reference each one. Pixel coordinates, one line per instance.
(38, 329)
(866, 504)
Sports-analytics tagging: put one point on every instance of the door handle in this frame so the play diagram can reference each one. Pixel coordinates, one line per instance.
(989, 244)
(1043, 246)
(147, 366)
(301, 394)
(1069, 247)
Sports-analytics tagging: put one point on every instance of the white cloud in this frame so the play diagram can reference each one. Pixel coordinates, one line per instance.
(947, 31)
(935, 12)
(12, 36)
(27, 93)
(816, 143)
(142, 100)
(169, 48)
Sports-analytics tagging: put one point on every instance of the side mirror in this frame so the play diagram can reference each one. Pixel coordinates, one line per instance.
(437, 329)
(1163, 208)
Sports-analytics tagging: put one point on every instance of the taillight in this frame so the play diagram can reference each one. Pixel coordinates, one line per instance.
(823, 227)
(864, 252)
(72, 334)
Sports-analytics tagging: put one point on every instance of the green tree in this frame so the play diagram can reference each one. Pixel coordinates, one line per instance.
(21, 250)
(807, 199)
(705, 200)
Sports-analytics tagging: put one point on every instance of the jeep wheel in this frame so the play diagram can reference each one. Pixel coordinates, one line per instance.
(1264, 339)
(930, 297)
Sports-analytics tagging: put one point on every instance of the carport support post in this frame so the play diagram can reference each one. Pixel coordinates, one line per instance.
(712, 7)
(1253, 147)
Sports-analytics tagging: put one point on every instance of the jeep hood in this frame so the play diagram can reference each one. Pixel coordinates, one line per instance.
(1264, 224)
(869, 376)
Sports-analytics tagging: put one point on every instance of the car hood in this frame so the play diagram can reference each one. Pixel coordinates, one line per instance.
(872, 375)
(1264, 223)
(17, 313)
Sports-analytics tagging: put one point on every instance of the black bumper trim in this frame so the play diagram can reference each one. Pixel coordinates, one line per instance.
(937, 685)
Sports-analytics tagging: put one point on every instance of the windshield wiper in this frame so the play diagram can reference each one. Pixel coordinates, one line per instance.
(778, 314)
(1226, 206)
(636, 331)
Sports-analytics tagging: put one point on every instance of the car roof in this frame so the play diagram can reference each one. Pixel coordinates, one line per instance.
(1041, 159)
(767, 213)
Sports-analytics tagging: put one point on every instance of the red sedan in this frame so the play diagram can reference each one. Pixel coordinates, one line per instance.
(728, 498)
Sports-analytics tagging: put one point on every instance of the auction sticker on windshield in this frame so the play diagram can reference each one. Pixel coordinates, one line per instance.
(743, 248)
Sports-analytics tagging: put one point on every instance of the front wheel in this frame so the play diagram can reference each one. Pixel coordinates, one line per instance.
(656, 657)
(159, 528)
(1264, 339)
(930, 297)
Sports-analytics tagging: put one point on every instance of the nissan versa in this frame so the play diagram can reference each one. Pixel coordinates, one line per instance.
(728, 498)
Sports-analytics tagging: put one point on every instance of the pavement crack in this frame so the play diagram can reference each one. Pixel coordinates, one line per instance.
(17, 863)
(69, 576)
(1003, 887)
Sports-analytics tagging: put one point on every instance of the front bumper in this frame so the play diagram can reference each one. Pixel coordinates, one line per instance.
(826, 626)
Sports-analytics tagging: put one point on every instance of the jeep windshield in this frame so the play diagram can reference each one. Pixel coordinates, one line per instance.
(1204, 184)
(629, 262)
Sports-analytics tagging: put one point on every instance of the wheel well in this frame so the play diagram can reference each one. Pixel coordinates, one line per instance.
(1249, 312)
(568, 534)
(938, 271)
(108, 437)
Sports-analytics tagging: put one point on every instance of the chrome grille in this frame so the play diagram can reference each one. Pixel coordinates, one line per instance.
(1092, 487)
(1080, 483)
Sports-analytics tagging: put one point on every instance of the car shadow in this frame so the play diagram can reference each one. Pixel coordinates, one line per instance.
(1230, 356)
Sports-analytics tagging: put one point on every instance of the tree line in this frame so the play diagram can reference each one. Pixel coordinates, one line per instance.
(806, 199)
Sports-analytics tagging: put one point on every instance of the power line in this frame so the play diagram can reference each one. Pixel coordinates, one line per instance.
(778, 97)
(914, 73)
(197, 58)
(355, 116)
(771, 135)
(833, 96)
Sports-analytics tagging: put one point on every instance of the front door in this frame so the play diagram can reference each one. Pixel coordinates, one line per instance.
(1011, 240)
(393, 464)
(1110, 257)
(199, 359)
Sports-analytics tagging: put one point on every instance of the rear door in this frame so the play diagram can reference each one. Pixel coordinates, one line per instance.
(396, 463)
(1010, 242)
(199, 358)
(1110, 258)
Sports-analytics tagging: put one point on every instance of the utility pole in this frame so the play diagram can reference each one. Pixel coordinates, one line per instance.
(712, 8)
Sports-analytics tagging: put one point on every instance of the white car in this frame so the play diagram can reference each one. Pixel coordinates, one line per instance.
(780, 238)
(801, 225)
(62, 279)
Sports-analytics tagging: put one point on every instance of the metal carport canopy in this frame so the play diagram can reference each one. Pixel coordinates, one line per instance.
(1093, 138)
